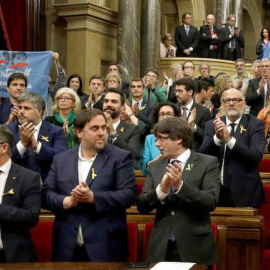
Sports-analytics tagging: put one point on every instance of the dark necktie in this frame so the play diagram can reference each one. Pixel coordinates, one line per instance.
(232, 130)
(184, 113)
(32, 163)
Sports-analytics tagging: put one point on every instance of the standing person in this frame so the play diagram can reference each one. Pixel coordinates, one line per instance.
(256, 68)
(263, 44)
(16, 85)
(232, 40)
(258, 88)
(238, 141)
(183, 187)
(20, 205)
(186, 37)
(37, 141)
(74, 82)
(166, 47)
(88, 189)
(195, 114)
(210, 39)
(153, 93)
(67, 105)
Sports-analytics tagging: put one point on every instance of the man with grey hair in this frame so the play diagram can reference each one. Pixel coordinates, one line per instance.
(256, 68)
(20, 202)
(205, 69)
(37, 141)
(257, 90)
(241, 78)
(232, 39)
(238, 141)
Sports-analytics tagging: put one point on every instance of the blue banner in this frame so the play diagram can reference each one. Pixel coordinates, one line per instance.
(34, 65)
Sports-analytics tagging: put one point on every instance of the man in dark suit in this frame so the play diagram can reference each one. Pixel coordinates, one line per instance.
(37, 141)
(257, 90)
(88, 189)
(96, 97)
(195, 114)
(238, 141)
(210, 39)
(124, 135)
(16, 85)
(20, 203)
(183, 187)
(186, 38)
(232, 40)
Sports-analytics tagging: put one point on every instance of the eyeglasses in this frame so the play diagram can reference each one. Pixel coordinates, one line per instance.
(228, 101)
(168, 114)
(161, 138)
(177, 91)
(65, 98)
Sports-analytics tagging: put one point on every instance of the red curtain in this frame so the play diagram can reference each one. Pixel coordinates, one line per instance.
(12, 19)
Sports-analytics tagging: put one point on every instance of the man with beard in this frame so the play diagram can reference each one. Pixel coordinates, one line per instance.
(37, 141)
(123, 135)
(195, 114)
(88, 189)
(241, 78)
(237, 140)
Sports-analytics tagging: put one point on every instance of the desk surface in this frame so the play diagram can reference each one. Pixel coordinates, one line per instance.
(76, 266)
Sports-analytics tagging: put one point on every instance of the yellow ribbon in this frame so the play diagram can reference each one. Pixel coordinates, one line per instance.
(10, 192)
(93, 174)
(242, 129)
(44, 138)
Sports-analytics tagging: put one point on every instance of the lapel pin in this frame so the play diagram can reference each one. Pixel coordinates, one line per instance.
(122, 129)
(242, 129)
(93, 174)
(10, 192)
(189, 167)
(45, 138)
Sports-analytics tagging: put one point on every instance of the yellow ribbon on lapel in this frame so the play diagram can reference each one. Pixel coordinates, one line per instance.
(45, 138)
(10, 192)
(93, 174)
(189, 167)
(242, 129)
(122, 129)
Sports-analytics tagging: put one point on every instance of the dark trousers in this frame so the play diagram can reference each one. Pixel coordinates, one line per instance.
(2, 256)
(213, 54)
(225, 198)
(80, 254)
(231, 55)
(172, 254)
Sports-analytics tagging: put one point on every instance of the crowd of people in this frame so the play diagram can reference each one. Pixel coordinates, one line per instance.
(198, 140)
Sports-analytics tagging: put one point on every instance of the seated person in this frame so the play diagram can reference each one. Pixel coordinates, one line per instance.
(37, 141)
(160, 112)
(67, 105)
(204, 69)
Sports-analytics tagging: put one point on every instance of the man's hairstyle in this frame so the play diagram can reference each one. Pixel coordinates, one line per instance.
(176, 128)
(7, 137)
(264, 28)
(205, 64)
(113, 64)
(205, 84)
(155, 114)
(116, 76)
(65, 90)
(183, 67)
(97, 77)
(79, 91)
(240, 60)
(35, 98)
(152, 70)
(16, 76)
(231, 16)
(256, 62)
(226, 91)
(85, 116)
(188, 83)
(184, 16)
(119, 92)
(137, 80)
(265, 60)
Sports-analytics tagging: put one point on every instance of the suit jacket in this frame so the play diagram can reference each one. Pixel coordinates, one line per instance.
(241, 175)
(97, 105)
(19, 212)
(259, 49)
(5, 110)
(225, 39)
(129, 139)
(202, 116)
(185, 42)
(53, 142)
(103, 223)
(255, 101)
(186, 213)
(206, 40)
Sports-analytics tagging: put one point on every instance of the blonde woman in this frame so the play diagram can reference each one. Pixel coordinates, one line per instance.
(67, 105)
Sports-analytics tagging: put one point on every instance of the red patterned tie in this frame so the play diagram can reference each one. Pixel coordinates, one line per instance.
(212, 33)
